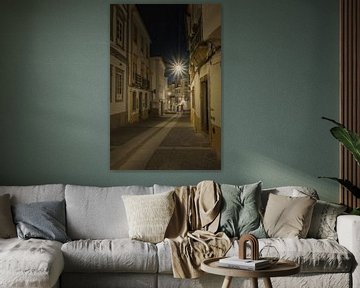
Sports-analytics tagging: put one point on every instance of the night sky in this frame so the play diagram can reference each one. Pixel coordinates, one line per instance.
(166, 26)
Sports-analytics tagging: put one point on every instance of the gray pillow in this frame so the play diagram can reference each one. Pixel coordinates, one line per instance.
(44, 220)
(7, 227)
(240, 213)
(323, 222)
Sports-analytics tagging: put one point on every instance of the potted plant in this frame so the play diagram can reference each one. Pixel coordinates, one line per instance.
(351, 141)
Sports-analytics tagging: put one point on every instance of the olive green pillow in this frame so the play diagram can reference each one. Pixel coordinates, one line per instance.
(240, 213)
(7, 226)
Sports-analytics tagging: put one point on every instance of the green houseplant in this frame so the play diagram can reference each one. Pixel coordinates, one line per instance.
(351, 142)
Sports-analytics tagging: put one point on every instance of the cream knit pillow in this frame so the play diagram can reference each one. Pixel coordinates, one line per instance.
(149, 215)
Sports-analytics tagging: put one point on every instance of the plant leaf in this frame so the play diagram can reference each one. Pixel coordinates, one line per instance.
(347, 184)
(333, 121)
(349, 139)
(355, 211)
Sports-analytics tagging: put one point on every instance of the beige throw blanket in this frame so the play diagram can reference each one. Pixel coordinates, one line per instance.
(191, 231)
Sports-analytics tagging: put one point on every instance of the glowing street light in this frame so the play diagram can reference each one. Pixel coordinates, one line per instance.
(178, 67)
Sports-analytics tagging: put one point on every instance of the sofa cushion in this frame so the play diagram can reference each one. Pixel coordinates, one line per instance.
(30, 263)
(287, 216)
(163, 188)
(164, 257)
(240, 210)
(313, 255)
(43, 220)
(98, 213)
(36, 193)
(323, 222)
(149, 215)
(116, 255)
(291, 191)
(7, 226)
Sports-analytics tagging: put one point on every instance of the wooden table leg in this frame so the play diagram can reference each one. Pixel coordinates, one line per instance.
(227, 282)
(267, 283)
(254, 282)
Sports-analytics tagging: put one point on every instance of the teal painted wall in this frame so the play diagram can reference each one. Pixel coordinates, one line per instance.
(280, 75)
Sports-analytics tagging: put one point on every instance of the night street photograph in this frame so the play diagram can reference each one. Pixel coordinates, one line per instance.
(165, 87)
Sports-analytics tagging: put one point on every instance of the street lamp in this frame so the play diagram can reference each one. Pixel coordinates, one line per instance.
(178, 67)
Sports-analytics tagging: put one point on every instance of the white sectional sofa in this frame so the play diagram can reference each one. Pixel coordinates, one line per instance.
(101, 254)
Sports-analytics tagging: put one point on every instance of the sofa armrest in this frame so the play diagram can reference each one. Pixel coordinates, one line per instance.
(348, 230)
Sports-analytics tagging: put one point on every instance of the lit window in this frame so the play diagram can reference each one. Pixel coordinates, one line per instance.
(119, 85)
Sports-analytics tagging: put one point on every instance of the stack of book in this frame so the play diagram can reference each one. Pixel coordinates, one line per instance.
(236, 262)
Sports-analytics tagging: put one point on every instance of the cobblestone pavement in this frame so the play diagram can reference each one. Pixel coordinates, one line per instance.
(163, 143)
(123, 134)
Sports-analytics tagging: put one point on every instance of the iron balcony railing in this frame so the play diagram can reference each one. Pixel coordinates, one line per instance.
(141, 82)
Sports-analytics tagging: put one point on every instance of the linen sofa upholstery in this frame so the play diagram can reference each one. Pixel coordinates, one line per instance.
(109, 280)
(313, 255)
(32, 263)
(35, 193)
(321, 260)
(110, 255)
(98, 212)
(97, 223)
(348, 228)
(316, 280)
(102, 255)
(293, 191)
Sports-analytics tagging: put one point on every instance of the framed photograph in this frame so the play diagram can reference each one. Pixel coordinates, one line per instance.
(165, 87)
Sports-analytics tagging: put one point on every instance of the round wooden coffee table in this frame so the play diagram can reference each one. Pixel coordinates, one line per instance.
(281, 268)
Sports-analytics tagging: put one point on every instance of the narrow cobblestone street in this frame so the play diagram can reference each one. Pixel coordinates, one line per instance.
(163, 143)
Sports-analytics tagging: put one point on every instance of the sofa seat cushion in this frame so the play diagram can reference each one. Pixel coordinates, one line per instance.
(164, 257)
(313, 255)
(110, 255)
(30, 263)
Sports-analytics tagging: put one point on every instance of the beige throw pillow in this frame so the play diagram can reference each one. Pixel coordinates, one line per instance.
(288, 217)
(7, 226)
(149, 215)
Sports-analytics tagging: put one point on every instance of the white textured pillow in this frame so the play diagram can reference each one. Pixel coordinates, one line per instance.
(149, 215)
(323, 222)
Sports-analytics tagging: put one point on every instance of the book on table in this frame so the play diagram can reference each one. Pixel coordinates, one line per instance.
(249, 264)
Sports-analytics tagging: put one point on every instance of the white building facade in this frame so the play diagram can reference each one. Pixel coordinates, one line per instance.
(158, 85)
(118, 65)
(130, 91)
(139, 67)
(204, 35)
